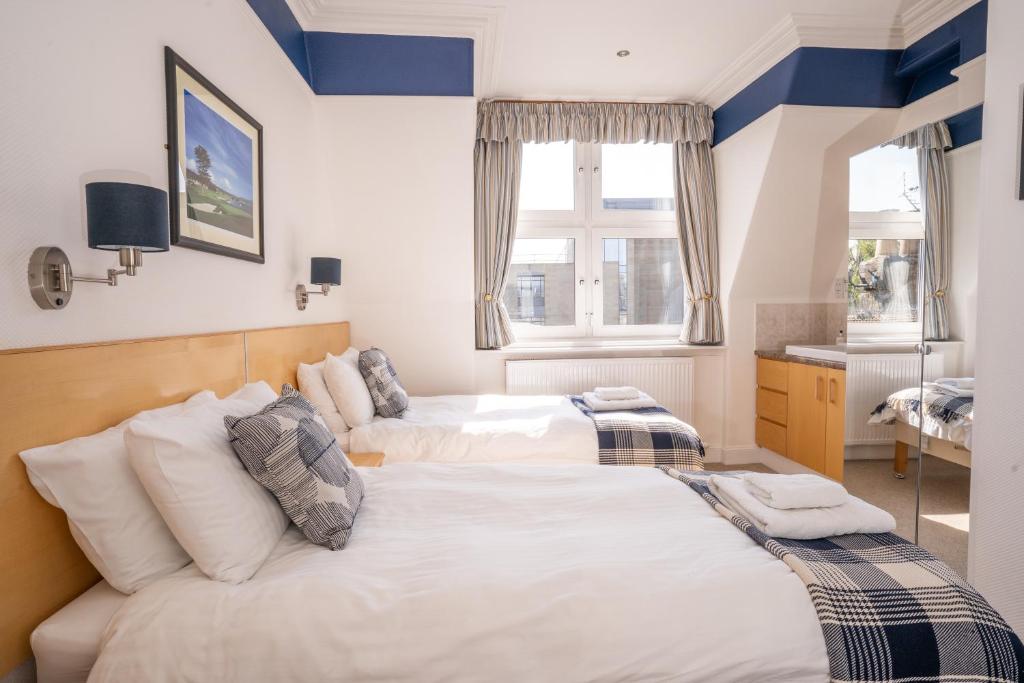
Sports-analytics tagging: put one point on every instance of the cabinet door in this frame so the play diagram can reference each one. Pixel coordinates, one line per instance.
(835, 439)
(808, 389)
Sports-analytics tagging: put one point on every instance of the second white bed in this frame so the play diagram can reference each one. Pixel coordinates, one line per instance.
(489, 572)
(485, 428)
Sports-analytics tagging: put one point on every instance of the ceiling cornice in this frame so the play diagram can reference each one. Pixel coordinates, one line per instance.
(479, 21)
(927, 15)
(822, 30)
(769, 50)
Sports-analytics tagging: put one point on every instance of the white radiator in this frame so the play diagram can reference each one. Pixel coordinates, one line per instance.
(870, 378)
(667, 380)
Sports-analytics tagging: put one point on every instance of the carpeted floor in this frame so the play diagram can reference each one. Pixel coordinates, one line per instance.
(945, 499)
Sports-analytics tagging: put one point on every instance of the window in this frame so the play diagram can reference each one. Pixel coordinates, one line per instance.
(596, 252)
(886, 238)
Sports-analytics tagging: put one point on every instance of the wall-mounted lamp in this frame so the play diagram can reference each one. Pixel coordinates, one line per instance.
(323, 271)
(122, 217)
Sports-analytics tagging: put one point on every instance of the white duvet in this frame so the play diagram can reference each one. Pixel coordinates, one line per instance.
(489, 573)
(484, 428)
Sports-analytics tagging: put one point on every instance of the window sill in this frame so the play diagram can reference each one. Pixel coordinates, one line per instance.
(604, 348)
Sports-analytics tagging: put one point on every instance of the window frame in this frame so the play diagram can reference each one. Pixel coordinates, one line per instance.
(550, 231)
(600, 329)
(613, 217)
(588, 224)
(561, 216)
(887, 225)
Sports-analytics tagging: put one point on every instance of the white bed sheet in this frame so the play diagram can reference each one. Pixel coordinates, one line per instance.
(487, 428)
(66, 645)
(489, 572)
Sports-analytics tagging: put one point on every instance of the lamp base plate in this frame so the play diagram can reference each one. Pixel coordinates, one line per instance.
(44, 278)
(301, 297)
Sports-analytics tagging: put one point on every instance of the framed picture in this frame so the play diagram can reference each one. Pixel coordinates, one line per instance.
(215, 167)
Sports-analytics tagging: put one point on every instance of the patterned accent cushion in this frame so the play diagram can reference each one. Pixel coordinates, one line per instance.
(288, 448)
(386, 390)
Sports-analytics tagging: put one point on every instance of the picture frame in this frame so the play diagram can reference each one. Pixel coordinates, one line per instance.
(215, 167)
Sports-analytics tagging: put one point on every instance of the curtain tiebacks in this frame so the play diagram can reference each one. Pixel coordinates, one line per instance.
(488, 297)
(939, 294)
(705, 297)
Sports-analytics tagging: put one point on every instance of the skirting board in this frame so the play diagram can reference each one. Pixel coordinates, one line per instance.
(743, 455)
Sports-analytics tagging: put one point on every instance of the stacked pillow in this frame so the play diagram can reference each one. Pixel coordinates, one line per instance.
(224, 519)
(288, 448)
(111, 517)
(314, 388)
(388, 394)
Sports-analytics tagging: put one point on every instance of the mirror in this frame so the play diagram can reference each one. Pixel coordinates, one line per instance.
(911, 282)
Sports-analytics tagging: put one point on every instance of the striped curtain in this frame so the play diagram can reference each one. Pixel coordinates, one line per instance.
(697, 220)
(931, 142)
(497, 166)
(503, 127)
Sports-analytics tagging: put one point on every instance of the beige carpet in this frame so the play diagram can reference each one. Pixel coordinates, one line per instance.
(945, 500)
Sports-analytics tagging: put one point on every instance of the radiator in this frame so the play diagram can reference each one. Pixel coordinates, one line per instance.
(667, 380)
(870, 378)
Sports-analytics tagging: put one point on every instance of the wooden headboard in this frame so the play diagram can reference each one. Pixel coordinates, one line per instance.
(52, 394)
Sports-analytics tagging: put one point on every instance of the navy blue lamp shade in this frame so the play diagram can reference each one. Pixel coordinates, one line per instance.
(325, 271)
(127, 215)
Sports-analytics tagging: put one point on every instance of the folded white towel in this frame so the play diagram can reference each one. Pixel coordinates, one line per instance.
(616, 393)
(597, 405)
(957, 382)
(792, 491)
(852, 517)
(949, 389)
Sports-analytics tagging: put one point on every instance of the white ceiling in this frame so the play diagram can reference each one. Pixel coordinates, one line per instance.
(680, 49)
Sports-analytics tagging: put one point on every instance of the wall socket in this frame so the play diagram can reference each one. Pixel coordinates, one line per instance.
(839, 288)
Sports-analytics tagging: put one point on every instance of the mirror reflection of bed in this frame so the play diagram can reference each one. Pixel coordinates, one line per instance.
(910, 283)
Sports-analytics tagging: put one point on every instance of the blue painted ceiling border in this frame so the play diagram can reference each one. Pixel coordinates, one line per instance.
(853, 77)
(965, 127)
(370, 64)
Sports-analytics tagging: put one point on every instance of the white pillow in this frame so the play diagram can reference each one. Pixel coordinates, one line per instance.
(348, 388)
(314, 388)
(109, 513)
(220, 515)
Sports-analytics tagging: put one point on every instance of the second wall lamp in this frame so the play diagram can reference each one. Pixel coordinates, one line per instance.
(323, 271)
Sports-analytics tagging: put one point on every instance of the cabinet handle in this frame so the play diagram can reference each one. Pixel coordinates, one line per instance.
(818, 387)
(833, 389)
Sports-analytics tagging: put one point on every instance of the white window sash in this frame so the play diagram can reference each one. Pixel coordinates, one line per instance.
(579, 329)
(612, 217)
(600, 329)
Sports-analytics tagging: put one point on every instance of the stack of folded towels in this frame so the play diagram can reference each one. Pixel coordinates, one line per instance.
(800, 506)
(617, 398)
(955, 386)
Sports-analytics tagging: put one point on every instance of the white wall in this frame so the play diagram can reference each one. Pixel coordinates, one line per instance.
(83, 99)
(964, 179)
(400, 176)
(996, 558)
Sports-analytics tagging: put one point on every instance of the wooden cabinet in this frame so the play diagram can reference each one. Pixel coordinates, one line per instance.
(801, 413)
(805, 442)
(835, 424)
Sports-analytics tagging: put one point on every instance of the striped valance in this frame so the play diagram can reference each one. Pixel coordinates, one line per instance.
(929, 136)
(606, 122)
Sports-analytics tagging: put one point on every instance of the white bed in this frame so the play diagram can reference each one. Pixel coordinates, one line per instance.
(66, 645)
(484, 428)
(489, 572)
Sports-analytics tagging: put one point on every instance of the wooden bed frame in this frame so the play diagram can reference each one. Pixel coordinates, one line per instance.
(906, 438)
(52, 394)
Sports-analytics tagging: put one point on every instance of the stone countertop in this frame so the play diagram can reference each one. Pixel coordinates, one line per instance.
(787, 358)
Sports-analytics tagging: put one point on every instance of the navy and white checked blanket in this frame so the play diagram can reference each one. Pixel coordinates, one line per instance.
(953, 410)
(644, 436)
(890, 610)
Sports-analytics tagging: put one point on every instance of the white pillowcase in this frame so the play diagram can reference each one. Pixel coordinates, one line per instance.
(314, 388)
(109, 513)
(348, 388)
(220, 515)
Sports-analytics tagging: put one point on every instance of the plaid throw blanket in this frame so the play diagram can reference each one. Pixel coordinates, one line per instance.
(644, 436)
(953, 410)
(890, 611)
